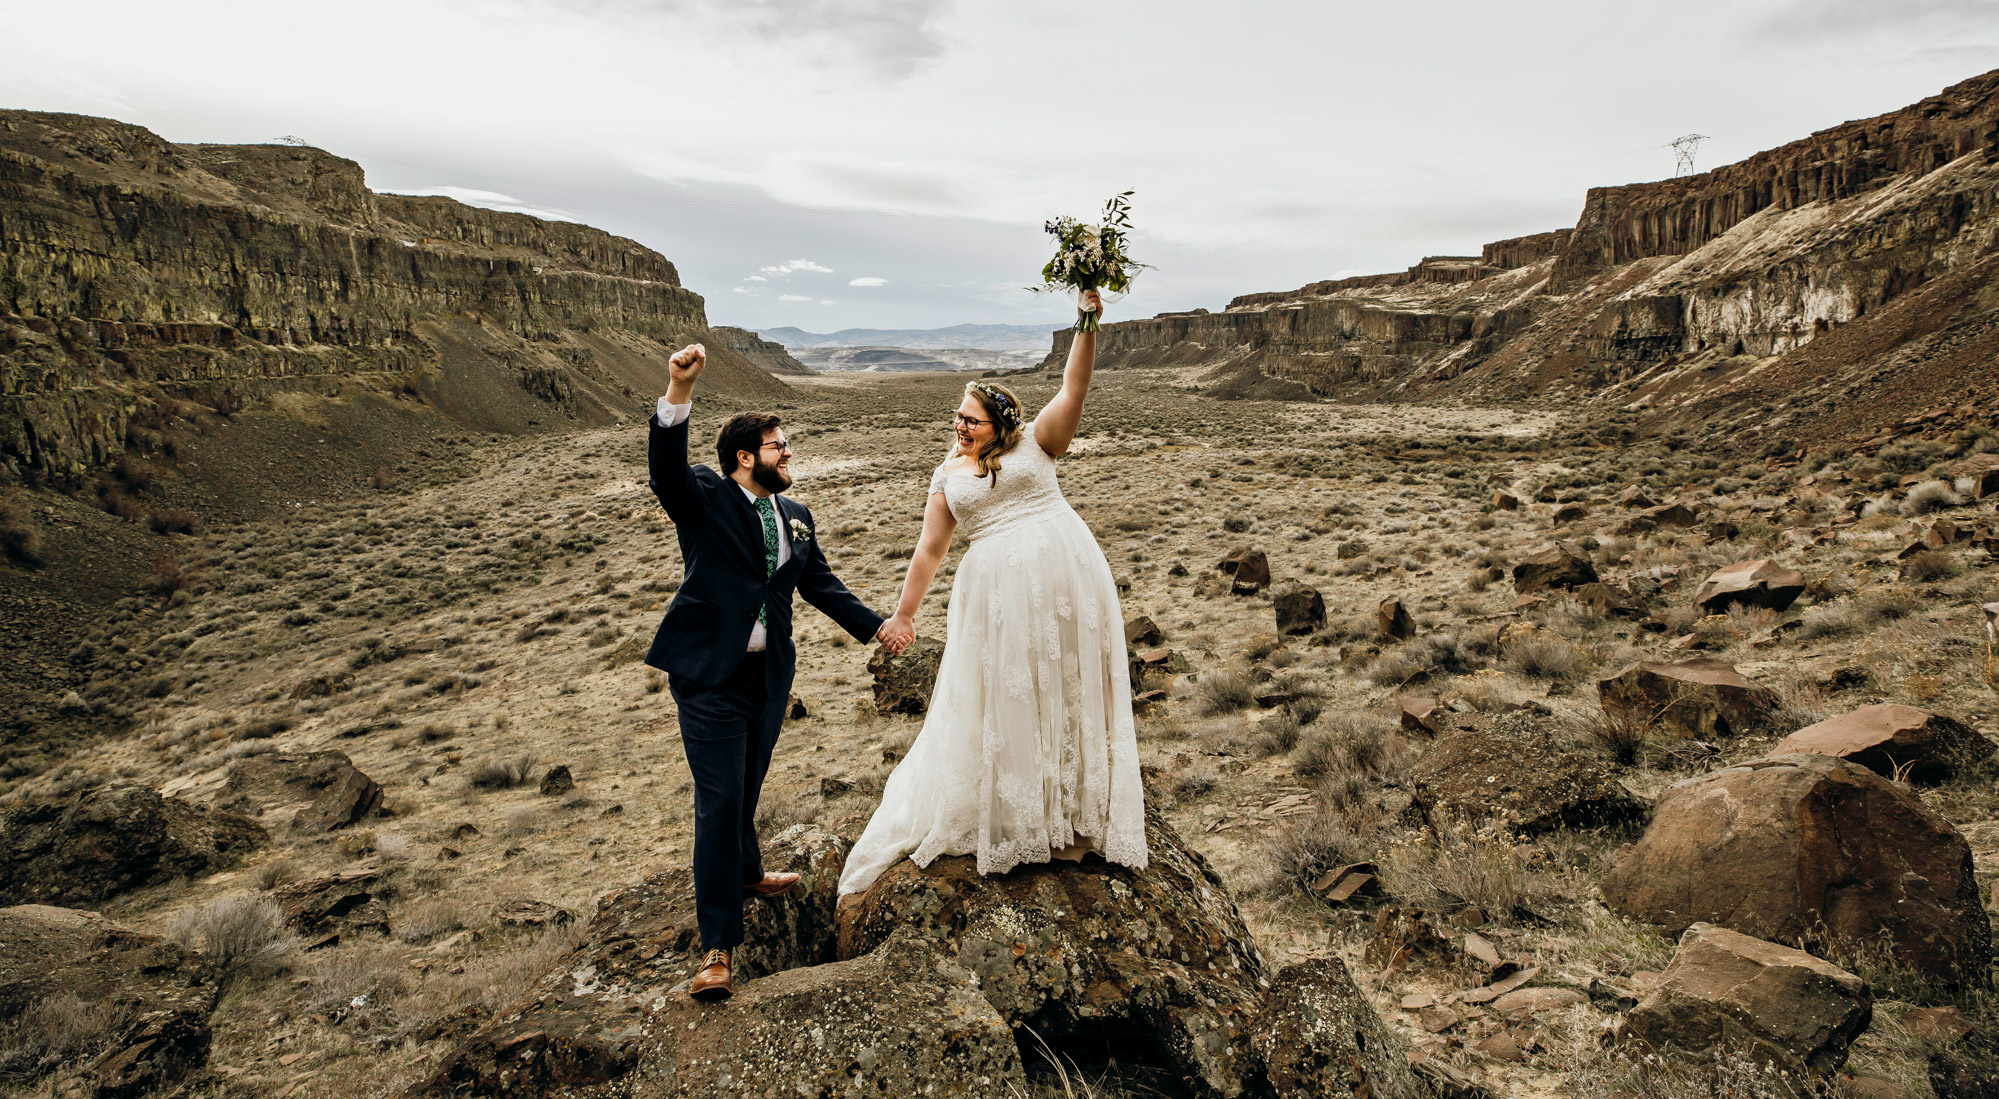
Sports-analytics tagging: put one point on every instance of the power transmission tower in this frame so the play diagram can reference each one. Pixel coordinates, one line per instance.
(1684, 148)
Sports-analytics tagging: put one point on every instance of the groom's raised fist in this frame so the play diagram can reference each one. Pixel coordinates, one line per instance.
(688, 362)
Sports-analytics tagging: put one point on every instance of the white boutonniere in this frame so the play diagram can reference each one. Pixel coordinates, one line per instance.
(800, 532)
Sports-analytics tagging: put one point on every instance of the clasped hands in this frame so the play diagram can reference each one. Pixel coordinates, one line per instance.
(896, 634)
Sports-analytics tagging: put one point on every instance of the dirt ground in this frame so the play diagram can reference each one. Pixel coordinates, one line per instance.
(474, 633)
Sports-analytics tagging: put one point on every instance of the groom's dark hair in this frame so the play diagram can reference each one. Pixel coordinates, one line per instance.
(744, 431)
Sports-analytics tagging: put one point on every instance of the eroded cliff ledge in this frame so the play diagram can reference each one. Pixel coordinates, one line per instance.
(1709, 296)
(138, 276)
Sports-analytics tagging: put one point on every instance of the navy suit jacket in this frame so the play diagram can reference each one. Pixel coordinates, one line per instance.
(706, 630)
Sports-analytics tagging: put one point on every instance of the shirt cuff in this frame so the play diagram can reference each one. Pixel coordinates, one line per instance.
(671, 414)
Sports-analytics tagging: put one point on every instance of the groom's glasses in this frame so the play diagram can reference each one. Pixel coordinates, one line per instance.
(782, 445)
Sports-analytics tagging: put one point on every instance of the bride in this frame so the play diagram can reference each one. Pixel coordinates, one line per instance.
(1027, 752)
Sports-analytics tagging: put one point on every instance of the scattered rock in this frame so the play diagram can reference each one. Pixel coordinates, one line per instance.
(1249, 570)
(354, 899)
(1523, 1002)
(903, 683)
(580, 1025)
(1299, 610)
(832, 786)
(1758, 583)
(1729, 989)
(1558, 566)
(1419, 715)
(557, 780)
(1983, 472)
(1694, 699)
(1513, 766)
(110, 839)
(1392, 621)
(528, 912)
(1350, 549)
(322, 686)
(1076, 948)
(1404, 936)
(899, 1020)
(1804, 848)
(1886, 738)
(1637, 498)
(1143, 631)
(1570, 513)
(795, 709)
(351, 797)
(147, 999)
(1505, 501)
(1319, 1036)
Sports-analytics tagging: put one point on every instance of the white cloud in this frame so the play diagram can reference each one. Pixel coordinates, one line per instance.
(826, 301)
(742, 290)
(756, 278)
(867, 280)
(492, 200)
(790, 265)
(794, 297)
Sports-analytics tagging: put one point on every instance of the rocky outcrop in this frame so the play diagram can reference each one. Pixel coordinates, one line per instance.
(131, 1010)
(1320, 1036)
(1758, 583)
(110, 839)
(1894, 740)
(1731, 991)
(136, 273)
(1084, 950)
(580, 1025)
(1512, 767)
(900, 1020)
(1808, 848)
(761, 353)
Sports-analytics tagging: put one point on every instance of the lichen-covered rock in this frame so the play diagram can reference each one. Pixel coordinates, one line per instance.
(1320, 1036)
(579, 1026)
(1074, 948)
(110, 839)
(1512, 767)
(1803, 848)
(903, 681)
(1694, 699)
(142, 1002)
(899, 1020)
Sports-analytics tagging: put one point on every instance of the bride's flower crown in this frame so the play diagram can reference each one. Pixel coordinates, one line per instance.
(1008, 409)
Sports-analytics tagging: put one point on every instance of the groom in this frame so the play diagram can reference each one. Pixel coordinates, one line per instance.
(725, 643)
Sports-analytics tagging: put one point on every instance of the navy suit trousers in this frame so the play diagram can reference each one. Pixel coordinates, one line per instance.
(728, 732)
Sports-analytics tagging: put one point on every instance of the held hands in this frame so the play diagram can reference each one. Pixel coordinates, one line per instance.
(896, 634)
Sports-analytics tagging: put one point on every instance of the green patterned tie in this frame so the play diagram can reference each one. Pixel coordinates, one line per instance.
(768, 512)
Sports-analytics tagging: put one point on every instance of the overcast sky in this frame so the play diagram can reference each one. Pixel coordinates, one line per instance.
(889, 163)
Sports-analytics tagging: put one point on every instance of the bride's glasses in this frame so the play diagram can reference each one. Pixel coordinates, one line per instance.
(961, 420)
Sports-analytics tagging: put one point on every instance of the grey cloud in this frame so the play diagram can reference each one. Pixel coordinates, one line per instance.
(1817, 20)
(889, 39)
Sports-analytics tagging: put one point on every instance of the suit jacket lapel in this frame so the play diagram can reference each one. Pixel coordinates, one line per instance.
(787, 513)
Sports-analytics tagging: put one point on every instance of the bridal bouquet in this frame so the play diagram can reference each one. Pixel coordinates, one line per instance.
(1091, 257)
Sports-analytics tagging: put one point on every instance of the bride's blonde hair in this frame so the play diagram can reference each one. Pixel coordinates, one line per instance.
(1003, 408)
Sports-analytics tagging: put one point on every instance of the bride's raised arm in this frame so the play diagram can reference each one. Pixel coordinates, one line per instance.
(931, 545)
(1056, 427)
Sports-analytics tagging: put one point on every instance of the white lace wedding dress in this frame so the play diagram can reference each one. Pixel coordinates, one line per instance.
(1027, 747)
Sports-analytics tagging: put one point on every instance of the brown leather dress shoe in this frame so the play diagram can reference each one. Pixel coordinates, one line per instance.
(771, 886)
(712, 982)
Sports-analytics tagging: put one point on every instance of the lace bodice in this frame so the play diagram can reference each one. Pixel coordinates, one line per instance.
(1025, 491)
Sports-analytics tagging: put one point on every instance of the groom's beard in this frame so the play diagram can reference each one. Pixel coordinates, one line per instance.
(771, 478)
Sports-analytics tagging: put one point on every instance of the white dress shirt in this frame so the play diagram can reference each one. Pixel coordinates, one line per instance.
(671, 414)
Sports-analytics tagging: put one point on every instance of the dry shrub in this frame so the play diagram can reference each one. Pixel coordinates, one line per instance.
(1539, 656)
(1225, 691)
(503, 774)
(1831, 620)
(240, 932)
(433, 918)
(1194, 782)
(1930, 496)
(166, 575)
(1617, 733)
(775, 814)
(489, 983)
(1305, 851)
(1461, 864)
(174, 521)
(1732, 1073)
(278, 872)
(1276, 734)
(57, 1030)
(20, 536)
(1931, 566)
(1349, 743)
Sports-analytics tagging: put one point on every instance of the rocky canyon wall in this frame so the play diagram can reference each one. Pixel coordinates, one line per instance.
(134, 271)
(1670, 295)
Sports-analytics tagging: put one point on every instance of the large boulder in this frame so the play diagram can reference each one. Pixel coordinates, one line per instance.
(580, 1024)
(131, 1007)
(1081, 949)
(1299, 610)
(1888, 739)
(899, 1020)
(356, 899)
(903, 682)
(1695, 699)
(1513, 767)
(110, 839)
(1320, 1036)
(1758, 583)
(269, 780)
(1392, 621)
(1248, 569)
(352, 797)
(1728, 990)
(1557, 567)
(1804, 848)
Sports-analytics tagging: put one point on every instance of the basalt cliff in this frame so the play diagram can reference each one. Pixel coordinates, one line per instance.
(146, 287)
(1835, 285)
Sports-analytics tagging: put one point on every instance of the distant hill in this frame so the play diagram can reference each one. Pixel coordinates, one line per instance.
(983, 337)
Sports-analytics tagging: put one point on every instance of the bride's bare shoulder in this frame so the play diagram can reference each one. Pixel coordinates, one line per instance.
(957, 463)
